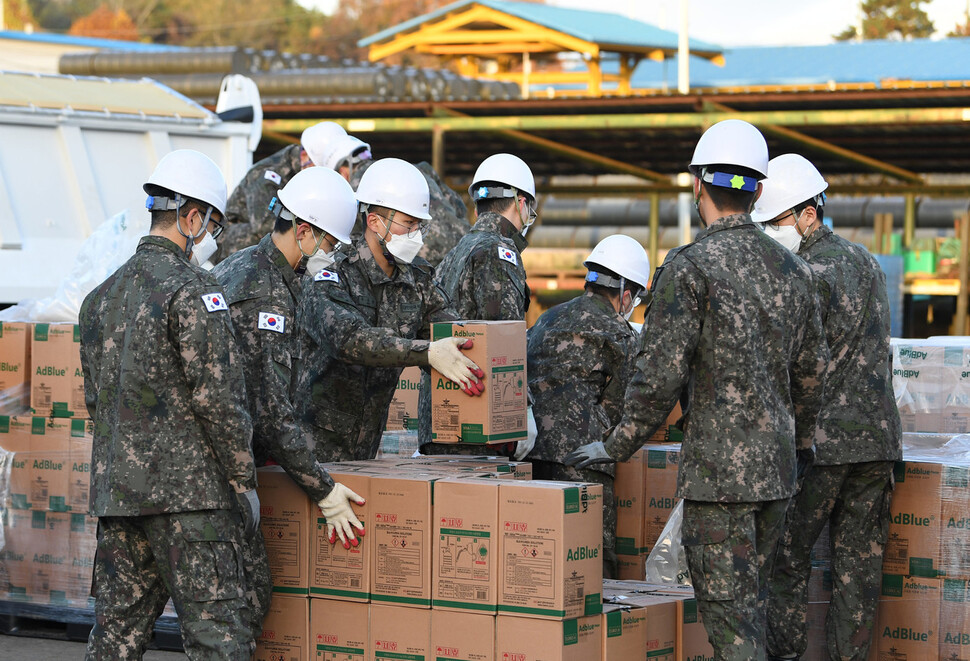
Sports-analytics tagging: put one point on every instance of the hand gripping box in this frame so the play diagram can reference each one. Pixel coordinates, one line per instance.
(336, 572)
(339, 630)
(499, 414)
(550, 551)
(285, 630)
(14, 367)
(286, 519)
(457, 636)
(466, 536)
(528, 639)
(57, 383)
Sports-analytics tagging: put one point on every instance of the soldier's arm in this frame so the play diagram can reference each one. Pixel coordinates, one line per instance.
(495, 285)
(807, 375)
(213, 372)
(671, 331)
(437, 307)
(89, 338)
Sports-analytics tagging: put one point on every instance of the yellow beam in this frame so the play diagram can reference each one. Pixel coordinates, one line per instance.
(551, 77)
(488, 49)
(402, 42)
(595, 82)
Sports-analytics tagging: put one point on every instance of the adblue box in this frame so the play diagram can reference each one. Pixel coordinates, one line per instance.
(57, 383)
(498, 415)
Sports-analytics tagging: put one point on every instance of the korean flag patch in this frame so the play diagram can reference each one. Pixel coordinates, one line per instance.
(272, 176)
(271, 322)
(507, 255)
(214, 302)
(327, 276)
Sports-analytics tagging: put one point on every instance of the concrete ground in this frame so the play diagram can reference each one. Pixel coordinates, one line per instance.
(24, 648)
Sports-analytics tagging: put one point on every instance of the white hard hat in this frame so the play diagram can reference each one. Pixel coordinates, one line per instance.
(322, 198)
(622, 255)
(344, 147)
(792, 179)
(316, 140)
(731, 142)
(502, 169)
(191, 174)
(395, 184)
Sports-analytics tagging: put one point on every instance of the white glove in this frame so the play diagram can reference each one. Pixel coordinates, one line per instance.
(446, 357)
(340, 515)
(523, 448)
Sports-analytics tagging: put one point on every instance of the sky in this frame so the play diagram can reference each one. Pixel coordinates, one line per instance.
(749, 22)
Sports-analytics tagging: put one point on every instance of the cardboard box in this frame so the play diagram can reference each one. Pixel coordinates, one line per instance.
(630, 512)
(402, 414)
(624, 633)
(21, 538)
(339, 630)
(14, 367)
(919, 385)
(631, 567)
(527, 639)
(336, 572)
(399, 633)
(462, 636)
(659, 490)
(57, 383)
(661, 612)
(79, 476)
(15, 437)
(286, 519)
(667, 432)
(551, 561)
(913, 547)
(955, 412)
(46, 544)
(466, 535)
(692, 643)
(955, 522)
(286, 631)
(499, 415)
(955, 619)
(50, 462)
(908, 622)
(401, 530)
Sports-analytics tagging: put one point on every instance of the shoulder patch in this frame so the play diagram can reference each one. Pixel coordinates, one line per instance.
(507, 255)
(325, 275)
(214, 302)
(271, 322)
(272, 176)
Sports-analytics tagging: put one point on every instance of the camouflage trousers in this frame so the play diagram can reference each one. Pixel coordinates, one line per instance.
(550, 470)
(259, 582)
(730, 548)
(193, 556)
(854, 500)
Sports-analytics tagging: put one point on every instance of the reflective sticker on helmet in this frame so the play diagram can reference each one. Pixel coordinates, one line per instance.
(271, 322)
(483, 192)
(214, 302)
(507, 255)
(272, 176)
(327, 276)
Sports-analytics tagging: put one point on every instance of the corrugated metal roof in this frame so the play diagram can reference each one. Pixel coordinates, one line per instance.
(602, 28)
(842, 62)
(85, 42)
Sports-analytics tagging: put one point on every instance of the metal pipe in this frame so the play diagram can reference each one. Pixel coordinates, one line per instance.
(654, 249)
(222, 60)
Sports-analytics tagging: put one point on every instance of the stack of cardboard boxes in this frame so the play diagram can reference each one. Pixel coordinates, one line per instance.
(463, 558)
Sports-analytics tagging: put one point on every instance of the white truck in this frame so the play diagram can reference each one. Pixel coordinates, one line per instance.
(75, 151)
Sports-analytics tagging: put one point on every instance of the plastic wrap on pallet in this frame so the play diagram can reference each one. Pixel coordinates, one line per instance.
(931, 381)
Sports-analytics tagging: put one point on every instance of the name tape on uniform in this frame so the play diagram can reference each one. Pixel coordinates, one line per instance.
(272, 176)
(325, 275)
(271, 322)
(507, 255)
(214, 302)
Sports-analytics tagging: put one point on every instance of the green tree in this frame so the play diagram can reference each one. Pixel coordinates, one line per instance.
(891, 19)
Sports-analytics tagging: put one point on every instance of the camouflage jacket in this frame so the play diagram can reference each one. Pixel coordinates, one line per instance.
(449, 217)
(580, 357)
(358, 328)
(164, 385)
(485, 279)
(247, 211)
(734, 317)
(859, 421)
(263, 290)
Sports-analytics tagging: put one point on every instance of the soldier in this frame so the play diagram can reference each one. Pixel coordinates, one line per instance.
(484, 274)
(247, 213)
(448, 213)
(858, 436)
(314, 214)
(580, 360)
(363, 320)
(172, 471)
(733, 317)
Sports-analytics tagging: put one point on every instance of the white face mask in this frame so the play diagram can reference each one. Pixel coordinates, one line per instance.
(786, 235)
(321, 259)
(633, 306)
(203, 250)
(405, 248)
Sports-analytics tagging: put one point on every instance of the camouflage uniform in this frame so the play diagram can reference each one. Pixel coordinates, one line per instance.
(734, 318)
(580, 359)
(485, 278)
(164, 385)
(857, 440)
(449, 217)
(259, 282)
(358, 328)
(247, 211)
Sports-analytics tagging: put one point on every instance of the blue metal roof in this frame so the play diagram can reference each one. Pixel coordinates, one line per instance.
(599, 27)
(85, 42)
(841, 62)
